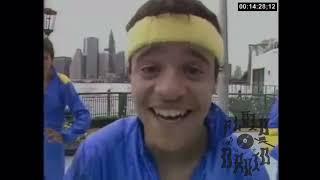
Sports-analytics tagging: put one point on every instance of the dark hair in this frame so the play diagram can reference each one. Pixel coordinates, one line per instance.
(188, 7)
(157, 7)
(48, 47)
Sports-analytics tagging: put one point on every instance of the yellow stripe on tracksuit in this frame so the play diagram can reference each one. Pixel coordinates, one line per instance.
(272, 138)
(64, 78)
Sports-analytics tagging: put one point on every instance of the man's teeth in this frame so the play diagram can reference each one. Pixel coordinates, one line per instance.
(170, 113)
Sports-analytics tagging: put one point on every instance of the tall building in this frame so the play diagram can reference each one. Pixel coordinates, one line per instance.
(119, 63)
(103, 65)
(76, 68)
(119, 66)
(91, 51)
(84, 67)
(126, 68)
(112, 53)
(62, 64)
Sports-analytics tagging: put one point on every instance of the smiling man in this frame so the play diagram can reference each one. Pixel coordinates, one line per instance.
(174, 52)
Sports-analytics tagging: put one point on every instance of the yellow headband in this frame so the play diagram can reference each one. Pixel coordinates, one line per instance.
(175, 28)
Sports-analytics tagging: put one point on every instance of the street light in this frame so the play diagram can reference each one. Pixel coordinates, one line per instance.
(49, 19)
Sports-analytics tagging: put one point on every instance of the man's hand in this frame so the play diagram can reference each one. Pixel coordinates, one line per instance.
(53, 135)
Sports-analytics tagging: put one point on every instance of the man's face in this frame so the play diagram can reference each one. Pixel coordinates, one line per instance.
(172, 85)
(47, 63)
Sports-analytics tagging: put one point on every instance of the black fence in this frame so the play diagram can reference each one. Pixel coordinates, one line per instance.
(255, 89)
(249, 105)
(109, 104)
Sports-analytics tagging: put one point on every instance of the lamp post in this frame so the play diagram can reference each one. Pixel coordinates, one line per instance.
(223, 82)
(49, 20)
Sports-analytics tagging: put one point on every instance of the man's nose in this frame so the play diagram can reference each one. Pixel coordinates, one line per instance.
(170, 86)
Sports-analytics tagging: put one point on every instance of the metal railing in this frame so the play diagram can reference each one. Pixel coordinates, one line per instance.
(250, 104)
(241, 104)
(252, 89)
(109, 104)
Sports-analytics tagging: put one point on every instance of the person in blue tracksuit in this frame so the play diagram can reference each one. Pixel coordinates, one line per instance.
(174, 53)
(119, 151)
(59, 93)
(273, 123)
(273, 114)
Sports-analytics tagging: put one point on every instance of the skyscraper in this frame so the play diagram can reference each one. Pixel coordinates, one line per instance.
(62, 64)
(103, 65)
(84, 67)
(91, 51)
(112, 53)
(76, 68)
(119, 64)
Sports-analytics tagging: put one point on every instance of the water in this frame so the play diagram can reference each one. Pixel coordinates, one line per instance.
(126, 87)
(102, 87)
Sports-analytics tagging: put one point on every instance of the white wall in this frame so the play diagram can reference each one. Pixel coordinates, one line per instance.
(269, 61)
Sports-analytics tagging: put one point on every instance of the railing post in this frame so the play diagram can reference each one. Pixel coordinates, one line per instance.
(108, 103)
(265, 105)
(122, 104)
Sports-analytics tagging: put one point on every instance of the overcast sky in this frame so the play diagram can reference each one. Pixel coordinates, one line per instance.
(78, 19)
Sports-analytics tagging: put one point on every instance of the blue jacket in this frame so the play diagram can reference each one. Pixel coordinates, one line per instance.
(273, 114)
(118, 152)
(59, 94)
(274, 123)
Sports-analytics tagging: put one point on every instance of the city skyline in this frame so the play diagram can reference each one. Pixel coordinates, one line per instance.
(92, 64)
(77, 19)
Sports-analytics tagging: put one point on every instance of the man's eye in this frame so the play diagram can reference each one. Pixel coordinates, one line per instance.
(193, 71)
(149, 69)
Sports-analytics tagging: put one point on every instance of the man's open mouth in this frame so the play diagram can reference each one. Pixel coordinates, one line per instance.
(170, 115)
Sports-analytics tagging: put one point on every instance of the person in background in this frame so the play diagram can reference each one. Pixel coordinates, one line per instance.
(59, 93)
(273, 114)
(273, 124)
